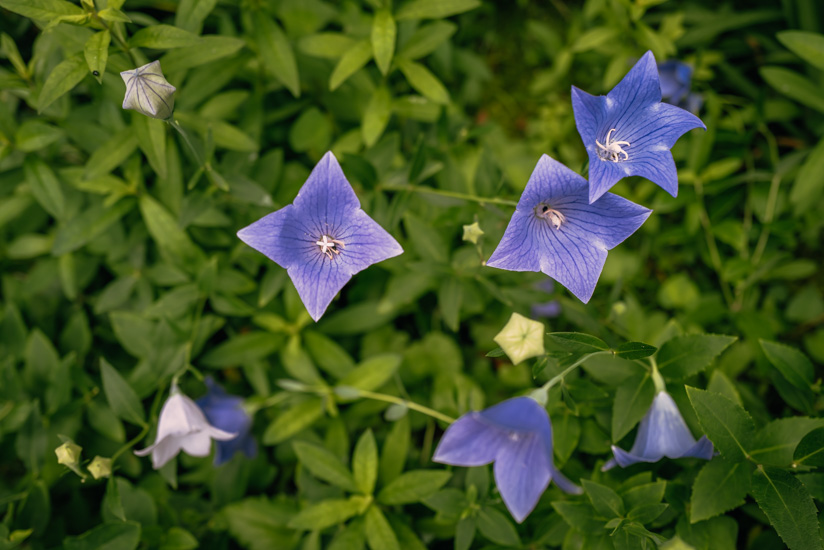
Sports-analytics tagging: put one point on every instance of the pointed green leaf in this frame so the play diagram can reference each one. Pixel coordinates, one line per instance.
(372, 373)
(121, 397)
(413, 486)
(63, 78)
(384, 32)
(209, 48)
(293, 420)
(111, 154)
(605, 501)
(720, 486)
(276, 52)
(435, 9)
(632, 400)
(683, 356)
(365, 463)
(325, 513)
(163, 37)
(379, 534)
(114, 535)
(423, 81)
(168, 235)
(794, 365)
(88, 225)
(44, 186)
(96, 52)
(794, 86)
(776, 442)
(810, 450)
(635, 350)
(151, 137)
(577, 342)
(427, 39)
(809, 46)
(726, 424)
(789, 507)
(376, 116)
(42, 10)
(495, 526)
(351, 62)
(324, 465)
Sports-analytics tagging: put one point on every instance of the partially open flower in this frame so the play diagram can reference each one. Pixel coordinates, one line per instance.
(182, 425)
(517, 436)
(662, 433)
(148, 92)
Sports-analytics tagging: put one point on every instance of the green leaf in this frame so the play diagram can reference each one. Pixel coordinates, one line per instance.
(789, 508)
(151, 137)
(726, 424)
(330, 45)
(683, 356)
(379, 534)
(426, 240)
(312, 131)
(168, 235)
(42, 10)
(413, 486)
(293, 420)
(276, 52)
(376, 116)
(579, 516)
(121, 397)
(384, 32)
(178, 539)
(351, 62)
(606, 502)
(242, 349)
(794, 86)
(794, 365)
(635, 350)
(577, 342)
(111, 154)
(427, 39)
(372, 373)
(96, 52)
(809, 46)
(435, 9)
(324, 514)
(395, 450)
(192, 13)
(365, 463)
(776, 442)
(644, 494)
(163, 37)
(209, 48)
(450, 296)
(63, 78)
(632, 400)
(107, 536)
(260, 524)
(113, 15)
(720, 486)
(810, 450)
(44, 186)
(497, 527)
(809, 182)
(593, 38)
(324, 465)
(423, 81)
(34, 135)
(91, 223)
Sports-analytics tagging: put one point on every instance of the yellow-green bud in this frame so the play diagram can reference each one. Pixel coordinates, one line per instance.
(100, 467)
(521, 338)
(472, 233)
(68, 453)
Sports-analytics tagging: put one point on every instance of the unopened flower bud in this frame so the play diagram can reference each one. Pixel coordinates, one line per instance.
(148, 92)
(521, 338)
(68, 453)
(100, 467)
(472, 233)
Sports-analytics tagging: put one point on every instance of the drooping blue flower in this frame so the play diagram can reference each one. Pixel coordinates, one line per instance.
(322, 238)
(548, 309)
(676, 78)
(556, 230)
(662, 433)
(629, 132)
(517, 436)
(226, 412)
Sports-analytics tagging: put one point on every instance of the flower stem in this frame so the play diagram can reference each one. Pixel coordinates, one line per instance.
(450, 194)
(657, 379)
(408, 404)
(176, 125)
(146, 427)
(715, 257)
(772, 199)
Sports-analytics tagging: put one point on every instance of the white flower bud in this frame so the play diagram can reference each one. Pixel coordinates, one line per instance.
(148, 92)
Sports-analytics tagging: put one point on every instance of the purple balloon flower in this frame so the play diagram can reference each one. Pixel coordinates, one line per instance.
(629, 132)
(322, 238)
(662, 433)
(557, 231)
(226, 412)
(517, 436)
(676, 77)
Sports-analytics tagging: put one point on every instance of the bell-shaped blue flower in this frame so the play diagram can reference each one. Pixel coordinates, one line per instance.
(662, 433)
(629, 132)
(322, 238)
(226, 412)
(676, 78)
(517, 436)
(556, 230)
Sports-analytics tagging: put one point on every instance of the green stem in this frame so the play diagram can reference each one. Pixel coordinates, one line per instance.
(176, 125)
(657, 379)
(143, 432)
(715, 257)
(408, 404)
(117, 38)
(450, 194)
(772, 200)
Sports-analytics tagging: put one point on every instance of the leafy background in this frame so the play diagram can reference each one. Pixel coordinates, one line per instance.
(120, 266)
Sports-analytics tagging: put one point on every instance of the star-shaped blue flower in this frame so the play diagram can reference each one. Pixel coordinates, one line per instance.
(556, 230)
(517, 436)
(662, 433)
(226, 412)
(322, 238)
(629, 132)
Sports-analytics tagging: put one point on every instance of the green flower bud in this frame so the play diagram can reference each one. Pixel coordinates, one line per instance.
(68, 453)
(521, 338)
(100, 467)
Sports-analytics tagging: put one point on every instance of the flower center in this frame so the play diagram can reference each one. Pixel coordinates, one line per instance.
(552, 216)
(612, 150)
(328, 245)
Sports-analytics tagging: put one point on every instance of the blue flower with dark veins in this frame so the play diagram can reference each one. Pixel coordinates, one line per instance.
(322, 238)
(556, 230)
(676, 77)
(517, 436)
(226, 412)
(629, 132)
(662, 433)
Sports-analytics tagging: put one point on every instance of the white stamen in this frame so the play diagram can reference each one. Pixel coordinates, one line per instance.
(328, 246)
(552, 216)
(612, 149)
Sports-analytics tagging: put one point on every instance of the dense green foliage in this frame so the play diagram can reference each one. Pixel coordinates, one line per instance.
(121, 269)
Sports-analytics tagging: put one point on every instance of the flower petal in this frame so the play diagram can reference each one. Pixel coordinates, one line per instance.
(326, 199)
(470, 442)
(196, 444)
(522, 473)
(365, 242)
(640, 85)
(318, 281)
(703, 448)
